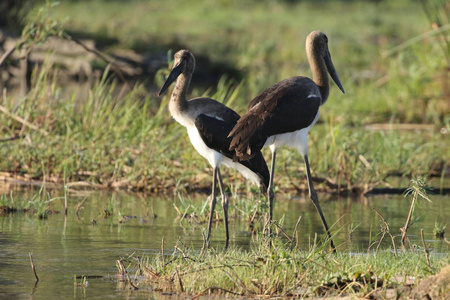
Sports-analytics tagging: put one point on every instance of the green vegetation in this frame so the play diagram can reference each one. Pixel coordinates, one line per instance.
(38, 204)
(264, 40)
(276, 266)
(439, 230)
(274, 269)
(122, 136)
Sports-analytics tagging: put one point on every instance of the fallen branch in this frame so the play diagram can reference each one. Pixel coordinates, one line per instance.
(11, 51)
(114, 65)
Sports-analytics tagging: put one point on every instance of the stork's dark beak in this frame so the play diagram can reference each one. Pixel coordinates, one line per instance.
(176, 71)
(332, 71)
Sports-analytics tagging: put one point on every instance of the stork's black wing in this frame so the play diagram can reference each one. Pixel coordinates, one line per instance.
(214, 133)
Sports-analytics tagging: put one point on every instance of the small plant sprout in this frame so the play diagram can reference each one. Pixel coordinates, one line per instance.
(84, 283)
(439, 230)
(418, 188)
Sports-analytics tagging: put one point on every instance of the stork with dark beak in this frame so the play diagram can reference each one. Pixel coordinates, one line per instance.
(284, 113)
(208, 123)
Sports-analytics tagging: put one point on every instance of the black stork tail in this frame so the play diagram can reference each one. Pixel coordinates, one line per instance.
(257, 164)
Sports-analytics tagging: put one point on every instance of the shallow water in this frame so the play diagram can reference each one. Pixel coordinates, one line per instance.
(90, 243)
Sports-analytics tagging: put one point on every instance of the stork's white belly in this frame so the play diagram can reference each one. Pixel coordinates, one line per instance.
(212, 156)
(297, 139)
(216, 159)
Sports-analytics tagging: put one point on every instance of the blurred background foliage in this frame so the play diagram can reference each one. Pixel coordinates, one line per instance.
(387, 52)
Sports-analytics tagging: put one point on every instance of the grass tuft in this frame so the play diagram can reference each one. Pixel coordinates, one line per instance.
(270, 268)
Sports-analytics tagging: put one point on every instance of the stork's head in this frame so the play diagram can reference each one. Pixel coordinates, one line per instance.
(317, 45)
(184, 63)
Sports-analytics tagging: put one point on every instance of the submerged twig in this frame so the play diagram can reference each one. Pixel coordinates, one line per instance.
(138, 260)
(387, 230)
(33, 268)
(80, 206)
(123, 270)
(66, 202)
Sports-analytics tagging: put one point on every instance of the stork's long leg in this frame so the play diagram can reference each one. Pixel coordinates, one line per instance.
(225, 206)
(315, 200)
(270, 194)
(212, 203)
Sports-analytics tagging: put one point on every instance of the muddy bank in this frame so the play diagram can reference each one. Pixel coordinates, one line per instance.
(197, 185)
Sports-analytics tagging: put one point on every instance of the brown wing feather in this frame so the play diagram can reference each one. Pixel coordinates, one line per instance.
(287, 106)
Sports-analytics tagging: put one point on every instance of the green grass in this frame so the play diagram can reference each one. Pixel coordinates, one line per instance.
(126, 142)
(39, 204)
(271, 268)
(268, 47)
(125, 138)
(276, 266)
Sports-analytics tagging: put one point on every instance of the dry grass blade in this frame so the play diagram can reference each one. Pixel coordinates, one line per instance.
(425, 249)
(283, 232)
(180, 282)
(162, 252)
(124, 271)
(237, 281)
(295, 233)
